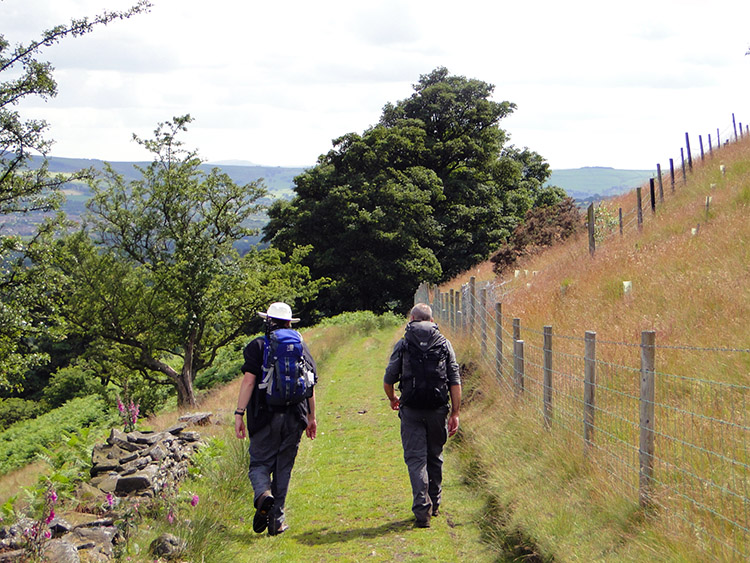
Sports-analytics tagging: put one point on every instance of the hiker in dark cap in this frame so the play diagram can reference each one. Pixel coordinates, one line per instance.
(278, 394)
(424, 365)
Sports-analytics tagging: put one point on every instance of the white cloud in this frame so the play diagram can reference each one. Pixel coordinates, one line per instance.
(596, 83)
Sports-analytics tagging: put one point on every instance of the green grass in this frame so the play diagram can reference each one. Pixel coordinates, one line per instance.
(349, 498)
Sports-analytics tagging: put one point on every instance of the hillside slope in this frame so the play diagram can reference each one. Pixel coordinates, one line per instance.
(688, 274)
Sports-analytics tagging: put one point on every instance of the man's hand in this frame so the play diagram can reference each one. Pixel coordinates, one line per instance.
(239, 427)
(452, 424)
(312, 429)
(390, 393)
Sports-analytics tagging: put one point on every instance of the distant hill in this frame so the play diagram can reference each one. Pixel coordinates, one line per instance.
(278, 180)
(593, 183)
(579, 183)
(582, 184)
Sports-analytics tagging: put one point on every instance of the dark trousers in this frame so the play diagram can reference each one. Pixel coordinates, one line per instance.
(423, 435)
(273, 450)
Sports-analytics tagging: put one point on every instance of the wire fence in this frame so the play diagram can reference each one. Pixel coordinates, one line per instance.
(666, 182)
(675, 444)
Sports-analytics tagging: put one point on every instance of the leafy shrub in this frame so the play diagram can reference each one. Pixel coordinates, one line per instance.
(225, 368)
(364, 321)
(542, 227)
(605, 222)
(149, 397)
(14, 410)
(71, 382)
(21, 443)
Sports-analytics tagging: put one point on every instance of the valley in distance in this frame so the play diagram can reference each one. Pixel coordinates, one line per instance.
(585, 185)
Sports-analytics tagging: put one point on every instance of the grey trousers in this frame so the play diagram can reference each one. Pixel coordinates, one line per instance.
(273, 450)
(423, 435)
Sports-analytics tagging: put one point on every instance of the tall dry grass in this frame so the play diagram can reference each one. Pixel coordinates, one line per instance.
(689, 267)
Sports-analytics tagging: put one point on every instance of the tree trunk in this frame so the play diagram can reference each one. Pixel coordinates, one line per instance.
(185, 394)
(183, 380)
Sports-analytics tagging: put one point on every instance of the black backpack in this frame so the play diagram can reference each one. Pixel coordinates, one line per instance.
(424, 371)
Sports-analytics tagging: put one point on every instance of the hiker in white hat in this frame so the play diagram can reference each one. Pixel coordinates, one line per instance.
(278, 395)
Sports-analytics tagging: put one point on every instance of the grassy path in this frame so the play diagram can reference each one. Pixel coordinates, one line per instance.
(349, 499)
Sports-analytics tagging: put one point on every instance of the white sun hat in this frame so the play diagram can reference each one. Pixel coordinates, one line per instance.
(280, 311)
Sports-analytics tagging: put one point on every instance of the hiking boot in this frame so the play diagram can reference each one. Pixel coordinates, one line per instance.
(276, 529)
(263, 509)
(435, 510)
(422, 523)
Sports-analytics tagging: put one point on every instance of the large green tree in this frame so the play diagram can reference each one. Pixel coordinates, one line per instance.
(155, 271)
(371, 227)
(24, 314)
(429, 191)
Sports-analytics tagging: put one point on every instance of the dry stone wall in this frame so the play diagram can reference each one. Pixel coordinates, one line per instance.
(128, 465)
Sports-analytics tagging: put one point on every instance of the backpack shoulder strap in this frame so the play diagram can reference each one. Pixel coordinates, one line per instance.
(267, 366)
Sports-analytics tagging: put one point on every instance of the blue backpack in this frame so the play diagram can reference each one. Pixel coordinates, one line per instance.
(287, 377)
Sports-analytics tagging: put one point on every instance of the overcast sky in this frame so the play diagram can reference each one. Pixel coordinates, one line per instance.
(596, 83)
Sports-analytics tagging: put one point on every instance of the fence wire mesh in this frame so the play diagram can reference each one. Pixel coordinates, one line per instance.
(700, 465)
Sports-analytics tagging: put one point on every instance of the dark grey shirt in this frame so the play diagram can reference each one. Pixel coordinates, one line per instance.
(393, 370)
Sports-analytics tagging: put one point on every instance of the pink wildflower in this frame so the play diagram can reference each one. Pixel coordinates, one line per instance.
(110, 500)
(170, 517)
(47, 534)
(50, 517)
(194, 500)
(52, 496)
(120, 406)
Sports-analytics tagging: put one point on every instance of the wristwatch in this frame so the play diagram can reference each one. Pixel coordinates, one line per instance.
(239, 412)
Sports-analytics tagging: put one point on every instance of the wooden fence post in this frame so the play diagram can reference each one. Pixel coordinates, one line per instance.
(684, 172)
(671, 172)
(661, 185)
(547, 376)
(639, 207)
(689, 154)
(518, 366)
(592, 241)
(461, 314)
(646, 446)
(499, 339)
(452, 309)
(710, 146)
(458, 310)
(734, 124)
(589, 391)
(483, 319)
(472, 308)
(516, 329)
(718, 139)
(652, 193)
(700, 140)
(620, 214)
